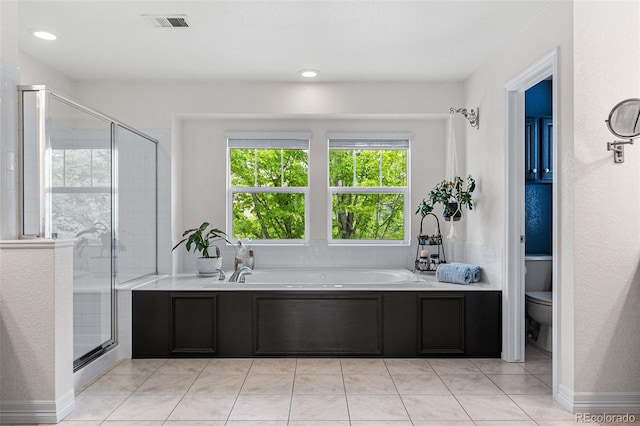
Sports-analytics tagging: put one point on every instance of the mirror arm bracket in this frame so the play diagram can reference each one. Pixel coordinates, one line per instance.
(618, 149)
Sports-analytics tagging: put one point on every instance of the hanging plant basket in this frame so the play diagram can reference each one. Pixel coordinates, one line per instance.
(452, 210)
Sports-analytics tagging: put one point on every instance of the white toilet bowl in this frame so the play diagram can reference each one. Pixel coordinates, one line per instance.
(538, 298)
(538, 305)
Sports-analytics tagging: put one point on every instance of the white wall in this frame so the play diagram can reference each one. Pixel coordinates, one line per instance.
(486, 150)
(151, 105)
(35, 72)
(9, 78)
(198, 113)
(599, 203)
(36, 355)
(607, 202)
(203, 187)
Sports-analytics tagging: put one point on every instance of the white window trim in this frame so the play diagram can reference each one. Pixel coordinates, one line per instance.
(266, 140)
(406, 190)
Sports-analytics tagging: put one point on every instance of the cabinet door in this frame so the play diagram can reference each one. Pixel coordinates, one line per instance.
(532, 148)
(546, 149)
(193, 324)
(318, 324)
(441, 323)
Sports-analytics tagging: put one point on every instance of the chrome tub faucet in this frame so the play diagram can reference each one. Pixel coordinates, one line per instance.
(238, 276)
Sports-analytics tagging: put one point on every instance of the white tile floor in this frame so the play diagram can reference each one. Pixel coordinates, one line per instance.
(322, 392)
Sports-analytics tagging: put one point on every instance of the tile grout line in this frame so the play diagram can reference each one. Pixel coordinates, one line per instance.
(502, 390)
(454, 395)
(295, 373)
(185, 393)
(246, 374)
(397, 391)
(132, 392)
(344, 387)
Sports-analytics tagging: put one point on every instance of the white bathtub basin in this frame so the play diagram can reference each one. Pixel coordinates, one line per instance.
(332, 276)
(307, 279)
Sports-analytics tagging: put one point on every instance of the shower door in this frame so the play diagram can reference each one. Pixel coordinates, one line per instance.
(81, 207)
(67, 192)
(88, 177)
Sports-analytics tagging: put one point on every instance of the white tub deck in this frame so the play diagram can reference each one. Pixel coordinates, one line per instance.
(309, 279)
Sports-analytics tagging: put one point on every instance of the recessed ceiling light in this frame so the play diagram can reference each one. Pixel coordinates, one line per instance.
(45, 35)
(309, 73)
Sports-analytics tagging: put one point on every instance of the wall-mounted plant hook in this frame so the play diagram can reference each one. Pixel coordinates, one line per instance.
(472, 115)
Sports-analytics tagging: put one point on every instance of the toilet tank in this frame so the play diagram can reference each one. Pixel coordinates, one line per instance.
(538, 275)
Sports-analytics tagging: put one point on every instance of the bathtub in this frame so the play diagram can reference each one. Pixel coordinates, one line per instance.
(331, 276)
(309, 279)
(315, 312)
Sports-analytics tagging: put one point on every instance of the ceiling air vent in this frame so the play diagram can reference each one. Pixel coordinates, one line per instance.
(167, 21)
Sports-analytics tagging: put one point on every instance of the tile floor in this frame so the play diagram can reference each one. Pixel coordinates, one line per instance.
(322, 392)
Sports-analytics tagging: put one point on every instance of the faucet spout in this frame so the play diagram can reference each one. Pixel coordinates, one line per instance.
(238, 275)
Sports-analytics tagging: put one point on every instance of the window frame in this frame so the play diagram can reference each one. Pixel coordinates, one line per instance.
(362, 139)
(268, 140)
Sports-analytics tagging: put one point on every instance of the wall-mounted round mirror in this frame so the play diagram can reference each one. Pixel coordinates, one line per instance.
(624, 119)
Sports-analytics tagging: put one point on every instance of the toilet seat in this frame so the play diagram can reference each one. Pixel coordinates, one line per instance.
(540, 297)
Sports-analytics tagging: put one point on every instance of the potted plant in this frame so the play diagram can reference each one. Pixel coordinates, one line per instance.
(452, 194)
(200, 240)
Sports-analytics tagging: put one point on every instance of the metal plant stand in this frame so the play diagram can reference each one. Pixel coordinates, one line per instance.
(426, 259)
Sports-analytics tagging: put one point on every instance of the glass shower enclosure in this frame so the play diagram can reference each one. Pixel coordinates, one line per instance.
(89, 177)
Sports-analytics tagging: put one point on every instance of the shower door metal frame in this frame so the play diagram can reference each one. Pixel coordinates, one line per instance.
(44, 205)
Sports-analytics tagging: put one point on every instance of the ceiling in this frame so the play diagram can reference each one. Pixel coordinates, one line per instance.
(364, 40)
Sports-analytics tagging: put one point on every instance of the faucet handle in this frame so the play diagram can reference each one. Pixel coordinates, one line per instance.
(222, 276)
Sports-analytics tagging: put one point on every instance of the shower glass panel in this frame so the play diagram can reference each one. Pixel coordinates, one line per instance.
(136, 205)
(88, 177)
(81, 207)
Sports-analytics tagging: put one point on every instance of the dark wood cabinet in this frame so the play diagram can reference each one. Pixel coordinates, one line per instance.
(318, 325)
(538, 139)
(441, 328)
(193, 324)
(350, 323)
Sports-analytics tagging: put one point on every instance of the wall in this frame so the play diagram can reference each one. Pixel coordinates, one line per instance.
(35, 72)
(607, 204)
(9, 78)
(151, 105)
(193, 110)
(551, 29)
(203, 189)
(36, 355)
(599, 325)
(538, 195)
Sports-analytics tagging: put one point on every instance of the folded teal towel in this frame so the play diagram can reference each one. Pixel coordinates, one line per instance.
(458, 273)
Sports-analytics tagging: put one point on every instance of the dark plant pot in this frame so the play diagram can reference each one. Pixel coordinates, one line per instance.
(454, 208)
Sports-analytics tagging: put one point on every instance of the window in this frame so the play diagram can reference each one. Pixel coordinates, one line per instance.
(369, 188)
(268, 181)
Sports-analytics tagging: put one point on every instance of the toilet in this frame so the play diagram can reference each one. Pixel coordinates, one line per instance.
(538, 300)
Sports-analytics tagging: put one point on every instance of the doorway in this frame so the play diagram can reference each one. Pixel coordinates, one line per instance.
(514, 265)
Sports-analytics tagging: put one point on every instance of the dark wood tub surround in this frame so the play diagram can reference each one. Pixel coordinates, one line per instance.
(316, 323)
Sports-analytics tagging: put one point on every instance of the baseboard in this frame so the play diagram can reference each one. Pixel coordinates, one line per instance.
(599, 402)
(36, 412)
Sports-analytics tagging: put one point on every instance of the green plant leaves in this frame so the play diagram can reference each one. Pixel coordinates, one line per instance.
(200, 240)
(446, 192)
